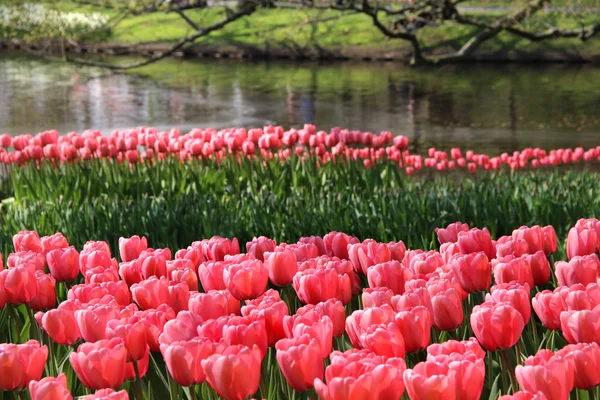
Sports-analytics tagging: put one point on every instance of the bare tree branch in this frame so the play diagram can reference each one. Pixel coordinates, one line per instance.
(583, 34)
(186, 19)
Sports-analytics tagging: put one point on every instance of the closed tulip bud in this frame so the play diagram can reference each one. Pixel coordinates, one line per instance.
(549, 239)
(45, 297)
(132, 334)
(332, 308)
(27, 241)
(585, 358)
(50, 388)
(184, 358)
(260, 245)
(153, 292)
(195, 255)
(317, 241)
(547, 373)
(580, 269)
(183, 327)
(63, 263)
(246, 280)
(21, 364)
(510, 269)
(130, 248)
(106, 394)
(320, 329)
(534, 237)
(20, 284)
(476, 240)
(430, 380)
(56, 241)
(497, 326)
(153, 265)
(60, 324)
(423, 263)
(101, 364)
(92, 320)
(282, 266)
(523, 396)
(243, 330)
(513, 293)
(548, 306)
(336, 244)
(272, 312)
(96, 259)
(300, 361)
(235, 373)
(413, 298)
(213, 304)
(384, 340)
(447, 310)
(472, 271)
(540, 268)
(211, 275)
(389, 274)
(368, 253)
(450, 233)
(30, 259)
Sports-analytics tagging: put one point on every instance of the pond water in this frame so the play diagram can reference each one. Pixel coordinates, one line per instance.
(485, 107)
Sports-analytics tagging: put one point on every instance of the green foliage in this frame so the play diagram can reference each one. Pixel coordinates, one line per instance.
(174, 204)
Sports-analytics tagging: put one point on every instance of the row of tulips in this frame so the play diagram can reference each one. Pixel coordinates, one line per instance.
(272, 142)
(327, 316)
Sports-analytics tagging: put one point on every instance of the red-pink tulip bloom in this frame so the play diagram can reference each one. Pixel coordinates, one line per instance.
(260, 245)
(89, 260)
(337, 243)
(216, 248)
(45, 297)
(334, 309)
(510, 269)
(246, 280)
(412, 298)
(360, 320)
(450, 233)
(107, 394)
(153, 263)
(27, 258)
(472, 271)
(582, 241)
(183, 327)
(540, 268)
(101, 364)
(211, 275)
(320, 329)
(585, 358)
(50, 388)
(184, 358)
(60, 324)
(368, 253)
(548, 306)
(476, 240)
(447, 310)
(56, 241)
(581, 326)
(384, 340)
(523, 396)
(423, 263)
(397, 250)
(235, 373)
(272, 312)
(133, 335)
(497, 325)
(282, 266)
(130, 248)
(21, 364)
(131, 272)
(213, 304)
(534, 237)
(63, 263)
(513, 293)
(317, 285)
(153, 292)
(358, 375)
(27, 241)
(580, 269)
(389, 274)
(549, 239)
(93, 319)
(430, 380)
(300, 361)
(547, 373)
(450, 347)
(245, 331)
(20, 284)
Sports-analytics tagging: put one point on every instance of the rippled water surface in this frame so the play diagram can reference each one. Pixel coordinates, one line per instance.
(485, 107)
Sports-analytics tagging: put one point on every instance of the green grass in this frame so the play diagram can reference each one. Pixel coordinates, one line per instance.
(175, 204)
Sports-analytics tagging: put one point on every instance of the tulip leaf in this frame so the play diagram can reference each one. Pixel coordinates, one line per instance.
(494, 391)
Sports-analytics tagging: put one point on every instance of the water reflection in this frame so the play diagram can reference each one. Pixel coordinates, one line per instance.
(485, 107)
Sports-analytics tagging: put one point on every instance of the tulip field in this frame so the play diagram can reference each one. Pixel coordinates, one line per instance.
(300, 264)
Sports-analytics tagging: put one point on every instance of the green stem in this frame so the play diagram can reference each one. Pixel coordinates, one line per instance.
(33, 323)
(16, 321)
(192, 392)
(137, 385)
(503, 371)
(592, 394)
(511, 370)
(533, 328)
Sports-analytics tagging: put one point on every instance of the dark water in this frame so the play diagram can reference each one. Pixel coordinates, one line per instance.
(488, 108)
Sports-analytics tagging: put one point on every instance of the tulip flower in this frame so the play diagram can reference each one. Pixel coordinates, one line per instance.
(547, 373)
(368, 253)
(580, 269)
(27, 241)
(246, 280)
(549, 239)
(27, 258)
(430, 380)
(334, 309)
(581, 326)
(50, 388)
(56, 241)
(317, 328)
(244, 331)
(423, 263)
(337, 243)
(384, 340)
(523, 396)
(106, 394)
(63, 263)
(300, 361)
(510, 269)
(216, 248)
(376, 297)
(20, 364)
(132, 333)
(317, 285)
(388, 274)
(130, 248)
(540, 268)
(260, 245)
(533, 237)
(20, 284)
(472, 271)
(60, 324)
(450, 347)
(282, 266)
(153, 292)
(582, 241)
(45, 297)
(585, 358)
(235, 373)
(476, 240)
(450, 233)
(101, 364)
(272, 312)
(360, 320)
(447, 310)
(211, 275)
(497, 325)
(515, 294)
(183, 359)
